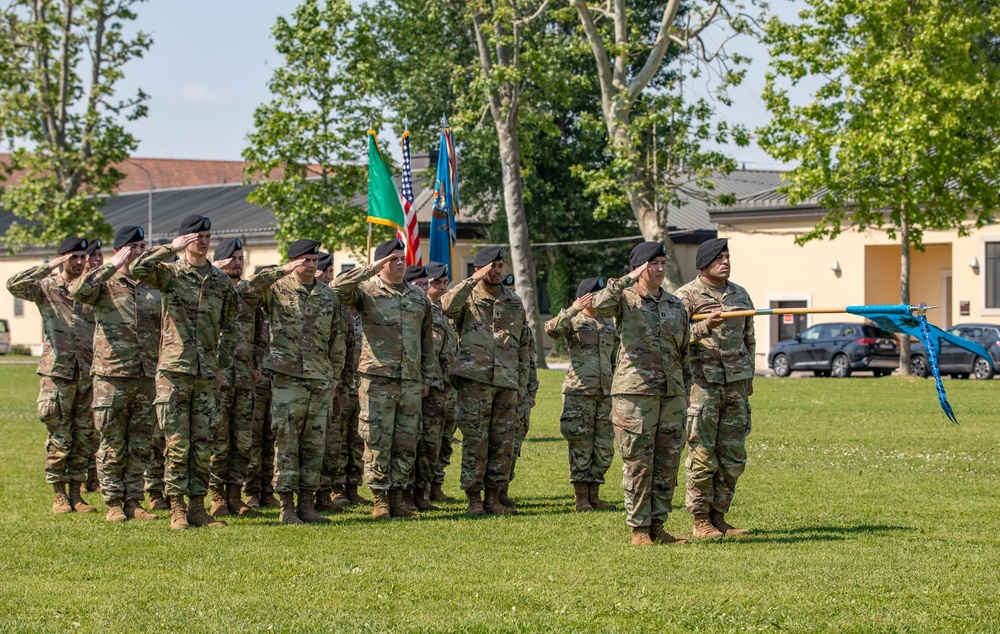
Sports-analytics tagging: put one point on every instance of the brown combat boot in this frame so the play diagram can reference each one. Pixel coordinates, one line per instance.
(196, 513)
(157, 502)
(115, 513)
(288, 515)
(492, 505)
(703, 528)
(253, 501)
(234, 500)
(593, 496)
(219, 506)
(397, 508)
(661, 536)
(351, 491)
(422, 498)
(582, 495)
(324, 502)
(640, 536)
(475, 503)
(381, 510)
(307, 510)
(339, 496)
(76, 498)
(504, 499)
(93, 484)
(60, 503)
(719, 521)
(438, 494)
(178, 513)
(408, 501)
(134, 511)
(269, 501)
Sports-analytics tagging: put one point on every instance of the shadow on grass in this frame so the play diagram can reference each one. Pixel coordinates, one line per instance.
(822, 533)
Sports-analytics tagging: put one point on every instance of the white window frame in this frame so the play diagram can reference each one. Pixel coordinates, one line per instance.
(984, 310)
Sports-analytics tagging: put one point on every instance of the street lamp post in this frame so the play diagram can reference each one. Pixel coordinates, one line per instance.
(149, 202)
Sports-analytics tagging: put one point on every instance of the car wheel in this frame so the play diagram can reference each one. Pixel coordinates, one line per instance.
(983, 369)
(918, 367)
(840, 367)
(781, 365)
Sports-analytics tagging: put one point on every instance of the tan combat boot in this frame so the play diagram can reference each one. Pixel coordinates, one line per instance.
(438, 494)
(703, 528)
(178, 513)
(475, 503)
(219, 506)
(253, 501)
(60, 503)
(397, 508)
(422, 498)
(268, 501)
(324, 502)
(307, 509)
(196, 513)
(661, 536)
(381, 510)
(288, 515)
(115, 513)
(593, 495)
(351, 491)
(157, 502)
(582, 496)
(234, 500)
(339, 496)
(76, 498)
(492, 506)
(134, 511)
(640, 536)
(719, 521)
(504, 499)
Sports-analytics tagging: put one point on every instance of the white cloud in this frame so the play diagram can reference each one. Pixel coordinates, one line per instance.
(200, 94)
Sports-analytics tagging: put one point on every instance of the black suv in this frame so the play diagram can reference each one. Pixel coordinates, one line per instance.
(958, 362)
(837, 349)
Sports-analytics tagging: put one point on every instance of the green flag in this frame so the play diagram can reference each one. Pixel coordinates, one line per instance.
(383, 197)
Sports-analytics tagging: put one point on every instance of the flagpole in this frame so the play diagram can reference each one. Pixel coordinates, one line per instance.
(786, 311)
(369, 250)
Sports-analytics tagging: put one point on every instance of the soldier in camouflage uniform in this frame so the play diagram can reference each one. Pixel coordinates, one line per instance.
(722, 363)
(649, 391)
(65, 394)
(260, 471)
(397, 361)
(126, 341)
(306, 359)
(232, 455)
(585, 423)
(200, 331)
(492, 376)
(95, 258)
(353, 452)
(524, 407)
(437, 286)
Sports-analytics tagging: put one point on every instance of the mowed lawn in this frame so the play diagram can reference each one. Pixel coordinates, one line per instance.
(869, 510)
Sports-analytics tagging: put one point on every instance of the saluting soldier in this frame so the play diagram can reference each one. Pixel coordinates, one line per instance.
(649, 391)
(199, 334)
(65, 386)
(353, 452)
(592, 343)
(722, 364)
(437, 285)
(524, 407)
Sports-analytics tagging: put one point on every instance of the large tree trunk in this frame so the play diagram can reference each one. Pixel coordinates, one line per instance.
(904, 289)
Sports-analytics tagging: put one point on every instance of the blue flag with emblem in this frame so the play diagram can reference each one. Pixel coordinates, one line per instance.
(442, 234)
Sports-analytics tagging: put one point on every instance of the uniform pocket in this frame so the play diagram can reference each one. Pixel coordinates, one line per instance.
(572, 427)
(369, 431)
(103, 411)
(49, 410)
(694, 422)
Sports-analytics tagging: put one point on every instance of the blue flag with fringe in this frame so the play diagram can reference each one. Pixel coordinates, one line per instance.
(442, 234)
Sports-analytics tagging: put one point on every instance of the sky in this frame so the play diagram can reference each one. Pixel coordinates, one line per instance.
(211, 59)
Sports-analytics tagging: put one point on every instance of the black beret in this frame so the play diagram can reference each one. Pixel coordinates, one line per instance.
(646, 252)
(436, 271)
(94, 246)
(589, 285)
(488, 256)
(415, 272)
(127, 235)
(193, 224)
(708, 251)
(303, 247)
(387, 247)
(227, 248)
(264, 267)
(508, 280)
(325, 261)
(72, 244)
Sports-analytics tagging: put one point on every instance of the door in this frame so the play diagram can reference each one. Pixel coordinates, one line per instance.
(802, 354)
(785, 327)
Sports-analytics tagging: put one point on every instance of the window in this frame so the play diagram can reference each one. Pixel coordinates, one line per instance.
(18, 307)
(344, 268)
(812, 334)
(991, 273)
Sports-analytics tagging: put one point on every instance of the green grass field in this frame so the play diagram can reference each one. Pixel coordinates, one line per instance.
(870, 512)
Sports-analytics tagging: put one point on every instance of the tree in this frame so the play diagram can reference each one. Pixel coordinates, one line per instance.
(902, 132)
(58, 112)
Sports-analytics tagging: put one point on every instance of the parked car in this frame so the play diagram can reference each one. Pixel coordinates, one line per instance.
(958, 362)
(4, 337)
(838, 349)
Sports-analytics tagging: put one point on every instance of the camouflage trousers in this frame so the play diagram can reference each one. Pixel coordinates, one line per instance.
(233, 438)
(155, 468)
(650, 435)
(352, 454)
(586, 424)
(429, 442)
(388, 422)
(520, 432)
(447, 433)
(64, 407)
(487, 418)
(186, 406)
(336, 432)
(260, 470)
(123, 415)
(718, 423)
(300, 412)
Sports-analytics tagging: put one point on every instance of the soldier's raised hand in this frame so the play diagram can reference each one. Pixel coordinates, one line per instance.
(292, 265)
(378, 265)
(223, 263)
(481, 273)
(714, 320)
(120, 258)
(57, 262)
(584, 302)
(182, 241)
(636, 272)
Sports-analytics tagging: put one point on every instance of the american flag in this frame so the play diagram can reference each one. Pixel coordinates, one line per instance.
(412, 235)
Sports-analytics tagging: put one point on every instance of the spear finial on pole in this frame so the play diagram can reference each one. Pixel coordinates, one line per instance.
(444, 121)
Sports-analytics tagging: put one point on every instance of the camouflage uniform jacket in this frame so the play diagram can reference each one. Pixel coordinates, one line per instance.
(352, 348)
(726, 353)
(494, 341)
(445, 346)
(397, 339)
(307, 333)
(200, 328)
(67, 325)
(128, 315)
(653, 352)
(593, 345)
(245, 357)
